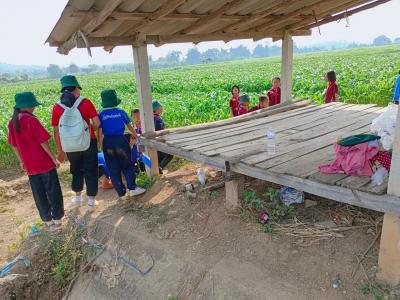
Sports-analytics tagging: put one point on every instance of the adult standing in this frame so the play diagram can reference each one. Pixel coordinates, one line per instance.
(83, 163)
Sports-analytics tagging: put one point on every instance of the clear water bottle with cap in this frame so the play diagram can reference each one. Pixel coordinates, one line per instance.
(271, 148)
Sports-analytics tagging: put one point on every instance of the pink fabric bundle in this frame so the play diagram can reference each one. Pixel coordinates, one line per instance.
(353, 160)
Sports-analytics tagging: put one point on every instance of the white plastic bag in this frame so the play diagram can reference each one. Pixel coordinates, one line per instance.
(379, 176)
(384, 126)
(201, 175)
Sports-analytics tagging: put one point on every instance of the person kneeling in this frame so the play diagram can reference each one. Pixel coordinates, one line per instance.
(116, 149)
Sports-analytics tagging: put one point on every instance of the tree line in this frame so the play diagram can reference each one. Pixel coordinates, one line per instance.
(194, 56)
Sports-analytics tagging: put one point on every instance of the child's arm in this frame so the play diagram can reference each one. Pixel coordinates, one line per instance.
(46, 148)
(96, 123)
(61, 155)
(100, 138)
(132, 130)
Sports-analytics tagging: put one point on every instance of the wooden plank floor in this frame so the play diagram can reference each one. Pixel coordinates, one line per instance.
(304, 139)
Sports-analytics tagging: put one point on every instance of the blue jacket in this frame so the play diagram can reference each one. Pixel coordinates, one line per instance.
(396, 96)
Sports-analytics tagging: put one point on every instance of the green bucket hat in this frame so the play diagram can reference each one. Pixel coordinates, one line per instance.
(244, 99)
(69, 80)
(156, 105)
(25, 100)
(109, 98)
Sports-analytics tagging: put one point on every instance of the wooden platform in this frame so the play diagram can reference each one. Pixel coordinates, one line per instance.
(304, 142)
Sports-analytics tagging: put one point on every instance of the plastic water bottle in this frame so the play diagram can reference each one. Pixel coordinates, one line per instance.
(271, 149)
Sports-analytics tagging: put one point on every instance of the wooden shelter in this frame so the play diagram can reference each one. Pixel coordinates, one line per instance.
(305, 134)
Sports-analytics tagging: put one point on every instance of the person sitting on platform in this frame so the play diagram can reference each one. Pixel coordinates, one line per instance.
(244, 105)
(163, 158)
(234, 101)
(262, 103)
(135, 115)
(332, 91)
(274, 94)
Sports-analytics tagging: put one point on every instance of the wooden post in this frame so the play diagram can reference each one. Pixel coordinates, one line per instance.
(287, 68)
(389, 253)
(234, 188)
(142, 74)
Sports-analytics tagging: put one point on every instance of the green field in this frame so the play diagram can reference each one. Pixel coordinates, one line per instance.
(198, 94)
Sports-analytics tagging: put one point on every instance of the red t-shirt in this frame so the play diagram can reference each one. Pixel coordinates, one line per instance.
(28, 143)
(274, 96)
(234, 104)
(242, 110)
(87, 110)
(331, 91)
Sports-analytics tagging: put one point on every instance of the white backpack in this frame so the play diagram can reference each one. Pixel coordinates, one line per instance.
(74, 131)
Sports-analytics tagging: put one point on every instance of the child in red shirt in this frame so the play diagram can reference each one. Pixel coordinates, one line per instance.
(244, 105)
(234, 101)
(332, 91)
(30, 141)
(274, 94)
(262, 103)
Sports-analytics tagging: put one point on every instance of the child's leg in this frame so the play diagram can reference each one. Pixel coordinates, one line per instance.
(90, 170)
(54, 194)
(76, 169)
(114, 168)
(39, 195)
(124, 154)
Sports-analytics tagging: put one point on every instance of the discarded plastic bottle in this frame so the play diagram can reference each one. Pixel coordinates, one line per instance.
(271, 149)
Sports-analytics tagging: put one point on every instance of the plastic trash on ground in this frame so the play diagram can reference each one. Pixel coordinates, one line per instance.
(289, 196)
(201, 175)
(384, 126)
(379, 176)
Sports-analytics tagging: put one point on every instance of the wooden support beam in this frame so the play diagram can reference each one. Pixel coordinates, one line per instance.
(345, 14)
(389, 253)
(199, 25)
(164, 10)
(270, 9)
(281, 19)
(143, 85)
(89, 27)
(181, 38)
(234, 189)
(287, 68)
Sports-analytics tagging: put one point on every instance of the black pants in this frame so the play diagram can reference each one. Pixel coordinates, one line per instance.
(48, 196)
(84, 165)
(164, 159)
(118, 157)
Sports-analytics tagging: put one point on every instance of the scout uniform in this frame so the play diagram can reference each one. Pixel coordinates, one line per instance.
(163, 158)
(331, 92)
(234, 105)
(274, 96)
(244, 103)
(38, 165)
(116, 149)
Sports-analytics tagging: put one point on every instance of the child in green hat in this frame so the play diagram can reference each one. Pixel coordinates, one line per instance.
(83, 164)
(163, 158)
(244, 105)
(30, 141)
(116, 148)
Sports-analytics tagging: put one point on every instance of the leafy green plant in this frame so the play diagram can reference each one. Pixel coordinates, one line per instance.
(144, 181)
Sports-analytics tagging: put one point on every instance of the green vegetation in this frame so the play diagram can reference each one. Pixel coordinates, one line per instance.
(199, 94)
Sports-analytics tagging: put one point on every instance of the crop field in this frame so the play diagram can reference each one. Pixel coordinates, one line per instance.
(198, 94)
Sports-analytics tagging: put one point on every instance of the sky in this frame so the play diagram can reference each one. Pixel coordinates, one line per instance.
(26, 24)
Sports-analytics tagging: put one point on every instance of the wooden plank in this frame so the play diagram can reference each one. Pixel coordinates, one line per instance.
(394, 176)
(389, 253)
(235, 141)
(287, 67)
(143, 85)
(382, 203)
(298, 144)
(109, 7)
(189, 155)
(208, 131)
(325, 137)
(198, 26)
(354, 182)
(330, 179)
(164, 10)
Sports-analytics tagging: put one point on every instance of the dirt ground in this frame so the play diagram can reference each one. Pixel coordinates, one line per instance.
(199, 249)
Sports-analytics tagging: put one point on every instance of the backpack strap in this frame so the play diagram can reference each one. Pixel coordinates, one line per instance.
(76, 103)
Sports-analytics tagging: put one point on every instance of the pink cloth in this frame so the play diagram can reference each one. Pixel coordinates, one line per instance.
(353, 160)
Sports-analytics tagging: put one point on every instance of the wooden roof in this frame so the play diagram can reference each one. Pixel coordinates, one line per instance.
(110, 23)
